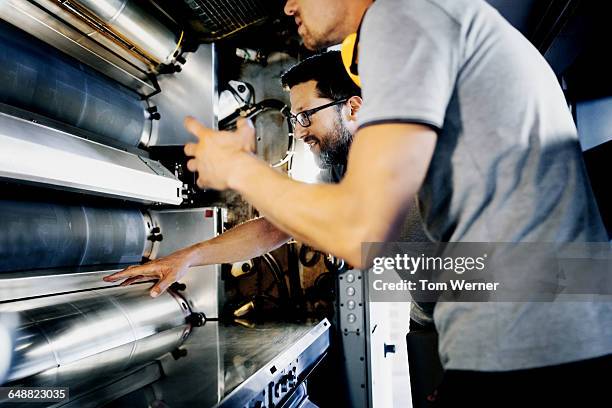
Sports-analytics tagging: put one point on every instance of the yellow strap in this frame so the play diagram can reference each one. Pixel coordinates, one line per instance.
(347, 49)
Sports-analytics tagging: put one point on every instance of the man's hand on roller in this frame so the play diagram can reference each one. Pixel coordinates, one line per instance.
(218, 154)
(165, 270)
(216, 158)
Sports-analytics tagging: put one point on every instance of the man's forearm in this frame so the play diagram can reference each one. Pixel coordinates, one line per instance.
(317, 214)
(387, 165)
(245, 241)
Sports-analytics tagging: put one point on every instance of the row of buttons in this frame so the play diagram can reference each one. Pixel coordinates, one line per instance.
(350, 304)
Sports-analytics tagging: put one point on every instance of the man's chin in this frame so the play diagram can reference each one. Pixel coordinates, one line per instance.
(319, 163)
(318, 44)
(322, 164)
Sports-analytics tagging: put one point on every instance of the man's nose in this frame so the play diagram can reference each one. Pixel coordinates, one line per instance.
(290, 7)
(300, 132)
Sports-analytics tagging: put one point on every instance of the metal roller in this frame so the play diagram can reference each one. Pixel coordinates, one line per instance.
(8, 325)
(38, 78)
(36, 235)
(136, 26)
(78, 338)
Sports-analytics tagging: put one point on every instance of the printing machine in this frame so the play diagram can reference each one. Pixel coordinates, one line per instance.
(92, 99)
(93, 94)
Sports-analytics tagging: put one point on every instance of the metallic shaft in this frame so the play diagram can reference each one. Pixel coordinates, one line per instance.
(36, 235)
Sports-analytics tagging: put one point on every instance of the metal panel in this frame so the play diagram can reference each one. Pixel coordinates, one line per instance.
(20, 285)
(182, 228)
(354, 334)
(38, 154)
(594, 120)
(192, 92)
(281, 374)
(198, 378)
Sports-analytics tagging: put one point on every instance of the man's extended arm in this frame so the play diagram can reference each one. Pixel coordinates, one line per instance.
(386, 167)
(246, 241)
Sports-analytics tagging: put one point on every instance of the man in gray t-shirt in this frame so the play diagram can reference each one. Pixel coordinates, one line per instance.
(461, 109)
(506, 168)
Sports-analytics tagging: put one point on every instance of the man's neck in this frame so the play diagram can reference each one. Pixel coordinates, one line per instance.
(359, 11)
(354, 15)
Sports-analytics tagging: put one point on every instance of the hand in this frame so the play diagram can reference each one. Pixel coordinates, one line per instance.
(216, 155)
(165, 270)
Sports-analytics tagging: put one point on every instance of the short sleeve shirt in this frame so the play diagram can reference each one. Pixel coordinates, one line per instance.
(507, 166)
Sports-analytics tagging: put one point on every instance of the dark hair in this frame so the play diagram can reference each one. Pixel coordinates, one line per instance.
(328, 70)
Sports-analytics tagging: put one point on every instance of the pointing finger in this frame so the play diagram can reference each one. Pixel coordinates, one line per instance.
(196, 128)
(246, 130)
(243, 123)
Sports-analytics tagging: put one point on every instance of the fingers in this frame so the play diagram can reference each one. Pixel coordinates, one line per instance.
(190, 149)
(196, 128)
(247, 131)
(201, 183)
(192, 165)
(129, 272)
(244, 123)
(139, 278)
(161, 286)
(142, 273)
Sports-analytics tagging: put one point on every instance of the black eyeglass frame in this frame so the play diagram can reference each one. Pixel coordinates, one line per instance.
(306, 122)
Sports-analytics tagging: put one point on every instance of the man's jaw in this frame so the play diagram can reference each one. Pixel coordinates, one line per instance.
(313, 41)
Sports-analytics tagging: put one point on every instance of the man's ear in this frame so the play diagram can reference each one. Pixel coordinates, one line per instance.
(354, 104)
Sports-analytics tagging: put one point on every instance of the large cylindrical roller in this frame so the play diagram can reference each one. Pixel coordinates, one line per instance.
(135, 25)
(40, 79)
(77, 338)
(35, 235)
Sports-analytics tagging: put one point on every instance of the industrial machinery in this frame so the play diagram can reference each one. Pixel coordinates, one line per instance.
(92, 100)
(93, 94)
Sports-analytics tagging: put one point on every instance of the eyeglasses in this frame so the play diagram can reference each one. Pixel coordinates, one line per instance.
(303, 118)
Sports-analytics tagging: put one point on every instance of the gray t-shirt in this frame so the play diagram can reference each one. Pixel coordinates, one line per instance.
(507, 167)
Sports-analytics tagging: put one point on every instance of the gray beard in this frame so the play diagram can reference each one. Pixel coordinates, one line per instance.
(335, 148)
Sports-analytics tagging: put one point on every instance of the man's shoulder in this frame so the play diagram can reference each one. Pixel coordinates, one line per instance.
(411, 17)
(460, 12)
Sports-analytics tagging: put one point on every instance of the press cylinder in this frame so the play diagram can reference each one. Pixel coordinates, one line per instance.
(75, 338)
(40, 79)
(37, 235)
(136, 26)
